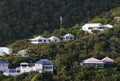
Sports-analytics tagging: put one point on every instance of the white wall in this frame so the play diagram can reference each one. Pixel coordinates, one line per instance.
(6, 50)
(4, 67)
(39, 68)
(45, 40)
(26, 69)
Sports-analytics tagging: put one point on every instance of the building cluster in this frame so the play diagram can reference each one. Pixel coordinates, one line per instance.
(45, 65)
(41, 39)
(97, 63)
(40, 66)
(88, 28)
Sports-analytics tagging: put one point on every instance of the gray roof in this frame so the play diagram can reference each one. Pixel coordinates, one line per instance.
(70, 35)
(44, 62)
(3, 62)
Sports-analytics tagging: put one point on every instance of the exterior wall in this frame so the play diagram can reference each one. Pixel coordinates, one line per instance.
(109, 64)
(12, 72)
(39, 68)
(54, 40)
(100, 65)
(66, 38)
(34, 41)
(40, 41)
(90, 29)
(26, 69)
(4, 67)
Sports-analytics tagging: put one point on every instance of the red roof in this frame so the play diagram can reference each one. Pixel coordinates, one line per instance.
(107, 59)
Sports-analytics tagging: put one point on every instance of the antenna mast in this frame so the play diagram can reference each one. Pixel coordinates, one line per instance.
(61, 21)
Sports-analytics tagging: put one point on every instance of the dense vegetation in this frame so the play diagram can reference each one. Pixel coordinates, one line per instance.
(22, 18)
(68, 55)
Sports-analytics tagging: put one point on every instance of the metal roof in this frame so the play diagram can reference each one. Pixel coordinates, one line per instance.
(44, 62)
(3, 62)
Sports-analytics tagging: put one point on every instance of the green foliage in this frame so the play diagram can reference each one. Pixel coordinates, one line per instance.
(22, 18)
(34, 17)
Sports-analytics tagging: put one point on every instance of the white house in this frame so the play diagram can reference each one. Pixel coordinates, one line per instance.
(44, 65)
(89, 27)
(22, 52)
(41, 66)
(93, 62)
(5, 50)
(54, 39)
(68, 37)
(39, 39)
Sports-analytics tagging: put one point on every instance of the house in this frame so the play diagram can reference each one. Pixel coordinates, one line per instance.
(41, 66)
(89, 27)
(5, 50)
(54, 39)
(44, 65)
(93, 62)
(108, 61)
(39, 39)
(22, 52)
(68, 37)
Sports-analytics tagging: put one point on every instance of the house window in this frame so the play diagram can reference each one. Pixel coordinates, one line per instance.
(101, 27)
(40, 40)
(67, 37)
(44, 40)
(100, 65)
(18, 71)
(71, 38)
(48, 67)
(90, 28)
(24, 66)
(93, 64)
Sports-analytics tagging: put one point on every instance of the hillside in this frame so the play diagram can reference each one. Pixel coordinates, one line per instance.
(23, 18)
(68, 55)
